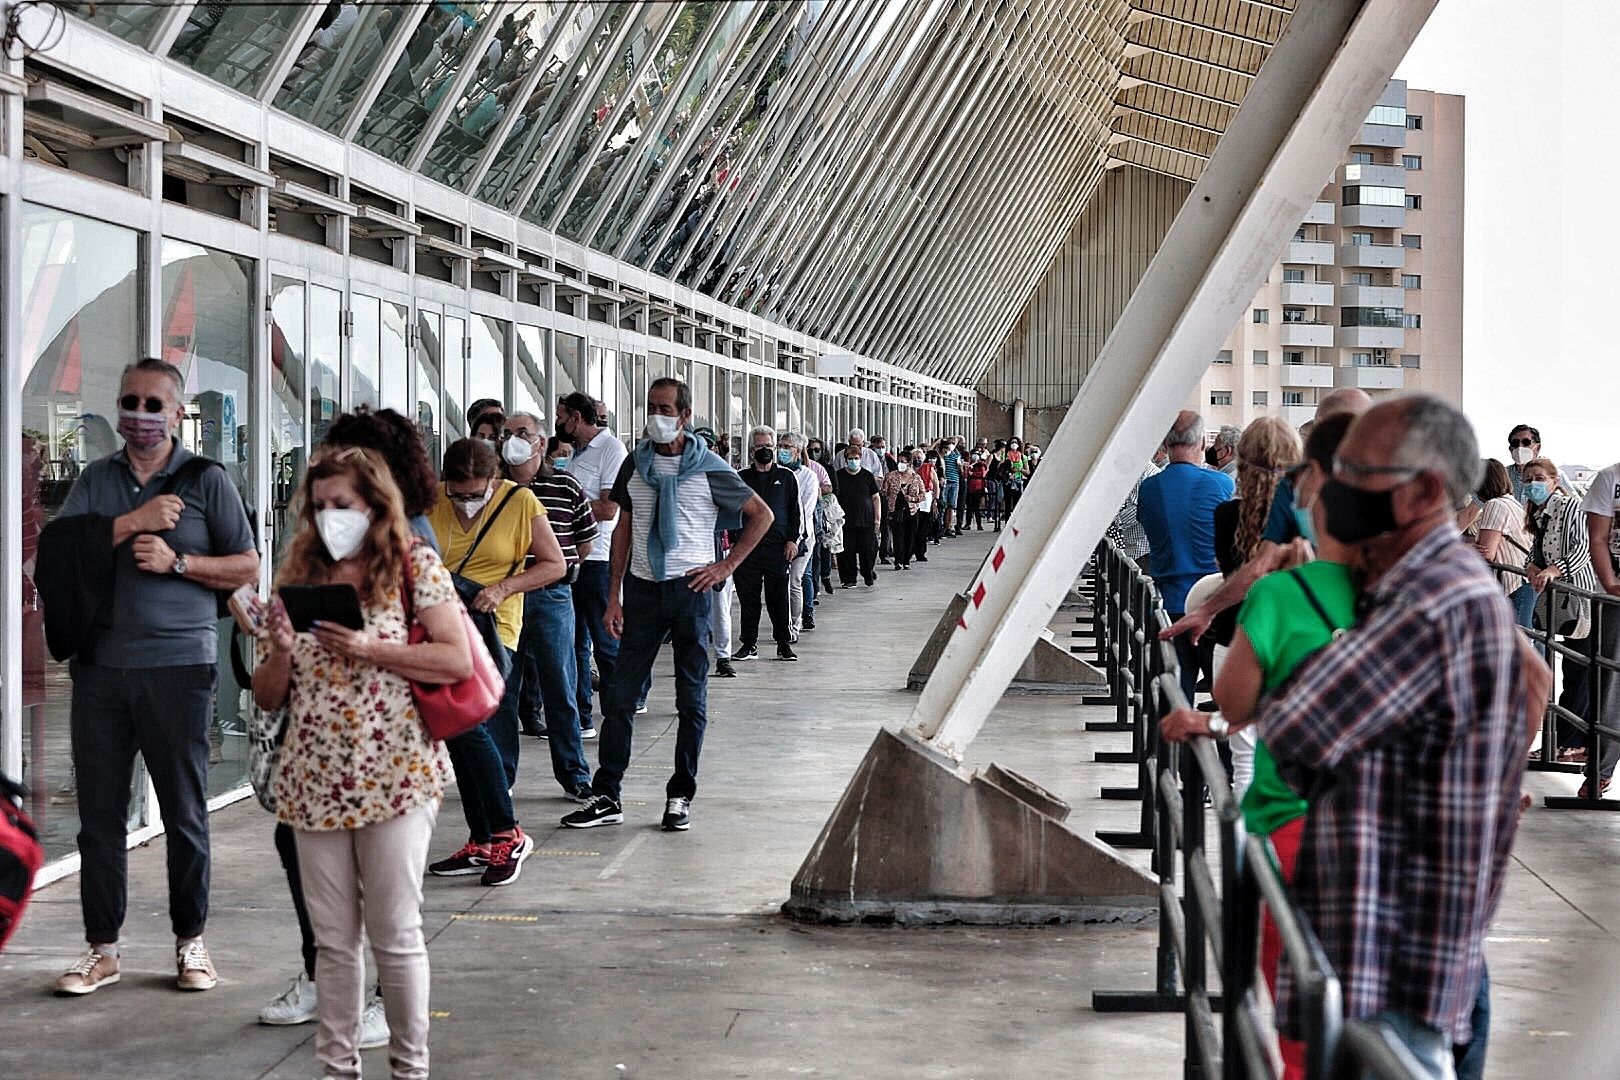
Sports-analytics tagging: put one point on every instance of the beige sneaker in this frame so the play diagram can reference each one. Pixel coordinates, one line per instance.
(93, 971)
(195, 969)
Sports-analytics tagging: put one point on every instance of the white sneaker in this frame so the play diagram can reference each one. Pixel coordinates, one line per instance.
(373, 1025)
(295, 1005)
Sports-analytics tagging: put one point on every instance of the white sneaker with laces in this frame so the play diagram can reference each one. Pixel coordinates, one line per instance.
(373, 1025)
(295, 1005)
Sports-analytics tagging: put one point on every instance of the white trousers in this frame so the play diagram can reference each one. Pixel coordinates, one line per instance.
(720, 619)
(796, 571)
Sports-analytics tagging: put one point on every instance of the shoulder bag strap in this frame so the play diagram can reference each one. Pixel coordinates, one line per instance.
(191, 469)
(1299, 579)
(489, 521)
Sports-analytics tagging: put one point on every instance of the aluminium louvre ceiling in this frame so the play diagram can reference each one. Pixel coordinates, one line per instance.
(892, 175)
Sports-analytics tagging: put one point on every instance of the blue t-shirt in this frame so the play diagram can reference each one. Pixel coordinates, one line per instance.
(1176, 510)
(1281, 528)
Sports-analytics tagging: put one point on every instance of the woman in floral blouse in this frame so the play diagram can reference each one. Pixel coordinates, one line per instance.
(902, 490)
(359, 780)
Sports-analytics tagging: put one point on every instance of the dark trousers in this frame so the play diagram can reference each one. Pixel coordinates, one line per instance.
(764, 570)
(481, 779)
(287, 848)
(823, 563)
(652, 612)
(1192, 659)
(975, 506)
(546, 673)
(590, 605)
(885, 534)
(860, 544)
(164, 714)
(903, 525)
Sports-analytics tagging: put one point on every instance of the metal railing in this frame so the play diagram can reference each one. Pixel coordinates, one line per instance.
(1182, 787)
(1585, 656)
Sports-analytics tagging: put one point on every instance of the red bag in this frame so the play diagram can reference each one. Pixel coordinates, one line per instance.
(20, 857)
(451, 709)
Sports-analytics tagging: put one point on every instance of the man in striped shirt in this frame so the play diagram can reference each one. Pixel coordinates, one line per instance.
(546, 667)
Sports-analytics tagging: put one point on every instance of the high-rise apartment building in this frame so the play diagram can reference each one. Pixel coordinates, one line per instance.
(1369, 290)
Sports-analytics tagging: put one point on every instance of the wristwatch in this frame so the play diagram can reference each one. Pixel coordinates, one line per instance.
(1218, 727)
(179, 566)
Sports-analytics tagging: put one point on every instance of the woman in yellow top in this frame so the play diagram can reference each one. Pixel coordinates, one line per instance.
(488, 530)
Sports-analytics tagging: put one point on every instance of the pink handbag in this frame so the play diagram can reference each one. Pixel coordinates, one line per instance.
(451, 709)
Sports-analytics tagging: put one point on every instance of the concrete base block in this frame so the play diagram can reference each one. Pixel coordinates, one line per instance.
(1049, 668)
(918, 839)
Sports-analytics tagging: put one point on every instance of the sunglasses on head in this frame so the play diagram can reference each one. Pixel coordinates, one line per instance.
(132, 402)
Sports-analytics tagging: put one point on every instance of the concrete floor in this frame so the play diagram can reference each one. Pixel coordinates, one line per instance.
(627, 954)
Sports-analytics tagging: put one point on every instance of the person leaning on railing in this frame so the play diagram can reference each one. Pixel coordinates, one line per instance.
(1560, 550)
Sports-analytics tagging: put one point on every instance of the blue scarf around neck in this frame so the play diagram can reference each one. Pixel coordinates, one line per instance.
(695, 458)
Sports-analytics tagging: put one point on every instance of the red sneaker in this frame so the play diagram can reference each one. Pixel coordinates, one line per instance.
(470, 859)
(507, 851)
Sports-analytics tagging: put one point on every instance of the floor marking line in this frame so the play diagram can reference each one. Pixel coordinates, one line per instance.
(622, 857)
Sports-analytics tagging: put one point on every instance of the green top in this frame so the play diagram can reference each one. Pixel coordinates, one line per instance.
(1284, 628)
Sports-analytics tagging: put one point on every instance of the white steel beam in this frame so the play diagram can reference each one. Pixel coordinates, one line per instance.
(1306, 105)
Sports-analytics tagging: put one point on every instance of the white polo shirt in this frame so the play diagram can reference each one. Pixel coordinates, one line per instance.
(595, 466)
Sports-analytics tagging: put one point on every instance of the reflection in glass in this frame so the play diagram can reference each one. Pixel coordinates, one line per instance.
(486, 372)
(235, 44)
(135, 23)
(455, 378)
(702, 398)
(395, 392)
(365, 353)
(426, 72)
(567, 65)
(618, 380)
(208, 307)
(288, 449)
(325, 358)
(80, 298)
(638, 392)
(529, 390)
(473, 122)
(429, 362)
(343, 50)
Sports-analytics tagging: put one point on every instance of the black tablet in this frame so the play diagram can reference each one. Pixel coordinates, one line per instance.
(309, 604)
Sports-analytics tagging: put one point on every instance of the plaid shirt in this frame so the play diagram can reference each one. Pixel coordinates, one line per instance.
(1408, 737)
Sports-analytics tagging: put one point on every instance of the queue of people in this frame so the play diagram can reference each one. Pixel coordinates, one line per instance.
(1370, 588)
(565, 558)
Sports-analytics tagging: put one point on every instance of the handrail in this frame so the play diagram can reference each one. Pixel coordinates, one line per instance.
(1196, 919)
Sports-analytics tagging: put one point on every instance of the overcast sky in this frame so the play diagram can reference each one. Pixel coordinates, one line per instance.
(1541, 78)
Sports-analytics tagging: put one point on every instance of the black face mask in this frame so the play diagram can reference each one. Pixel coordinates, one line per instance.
(1212, 458)
(1353, 515)
(764, 455)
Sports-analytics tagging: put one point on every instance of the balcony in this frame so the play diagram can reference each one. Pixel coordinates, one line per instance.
(1374, 217)
(1381, 135)
(1297, 415)
(1371, 337)
(1308, 293)
(1353, 175)
(1373, 378)
(1309, 252)
(1320, 213)
(1308, 335)
(1372, 256)
(1388, 296)
(1307, 375)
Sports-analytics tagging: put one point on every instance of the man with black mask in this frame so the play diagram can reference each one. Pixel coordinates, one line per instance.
(767, 566)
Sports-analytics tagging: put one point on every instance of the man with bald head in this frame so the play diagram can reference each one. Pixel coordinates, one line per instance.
(1281, 545)
(1176, 509)
(1410, 734)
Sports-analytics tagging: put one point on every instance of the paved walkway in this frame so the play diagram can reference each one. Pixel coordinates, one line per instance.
(628, 954)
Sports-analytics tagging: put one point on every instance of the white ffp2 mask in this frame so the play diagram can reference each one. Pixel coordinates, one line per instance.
(517, 451)
(663, 429)
(342, 531)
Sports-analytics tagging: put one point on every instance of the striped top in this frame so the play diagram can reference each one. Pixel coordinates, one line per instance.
(567, 510)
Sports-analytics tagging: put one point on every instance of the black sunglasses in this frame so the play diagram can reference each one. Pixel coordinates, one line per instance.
(1526, 441)
(132, 402)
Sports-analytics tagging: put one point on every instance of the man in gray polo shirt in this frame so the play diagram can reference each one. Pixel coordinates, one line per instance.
(144, 679)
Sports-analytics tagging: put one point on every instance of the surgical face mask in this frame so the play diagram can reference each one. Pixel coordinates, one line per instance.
(342, 531)
(663, 430)
(764, 455)
(143, 430)
(1306, 524)
(852, 464)
(517, 450)
(785, 457)
(560, 464)
(472, 507)
(1538, 492)
(1352, 515)
(1523, 455)
(1034, 453)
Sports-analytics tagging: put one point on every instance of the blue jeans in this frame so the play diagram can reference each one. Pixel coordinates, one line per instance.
(1470, 1059)
(547, 672)
(810, 580)
(503, 726)
(1523, 600)
(1430, 1048)
(484, 799)
(651, 611)
(590, 604)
